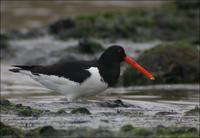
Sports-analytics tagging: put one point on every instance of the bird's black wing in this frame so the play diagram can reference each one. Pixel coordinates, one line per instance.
(75, 71)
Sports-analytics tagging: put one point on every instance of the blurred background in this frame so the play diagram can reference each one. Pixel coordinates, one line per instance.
(29, 14)
(41, 32)
(163, 36)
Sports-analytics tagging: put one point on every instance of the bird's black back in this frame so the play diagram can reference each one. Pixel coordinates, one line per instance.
(75, 71)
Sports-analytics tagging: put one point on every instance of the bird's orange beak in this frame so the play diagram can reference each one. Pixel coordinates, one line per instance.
(134, 64)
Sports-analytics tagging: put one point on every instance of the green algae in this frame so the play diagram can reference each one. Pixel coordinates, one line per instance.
(126, 131)
(81, 110)
(193, 112)
(19, 109)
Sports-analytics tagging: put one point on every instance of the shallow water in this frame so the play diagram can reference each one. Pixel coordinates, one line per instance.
(145, 101)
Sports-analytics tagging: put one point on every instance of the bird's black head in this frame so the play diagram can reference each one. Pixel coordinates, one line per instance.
(110, 64)
(114, 54)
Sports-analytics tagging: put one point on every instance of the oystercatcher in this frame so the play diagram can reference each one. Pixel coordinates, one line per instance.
(82, 78)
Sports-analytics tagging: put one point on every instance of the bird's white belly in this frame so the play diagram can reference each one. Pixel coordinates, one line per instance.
(73, 90)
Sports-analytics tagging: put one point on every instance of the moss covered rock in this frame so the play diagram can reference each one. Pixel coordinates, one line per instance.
(46, 130)
(7, 131)
(4, 102)
(193, 112)
(187, 4)
(61, 111)
(127, 128)
(5, 46)
(19, 109)
(169, 63)
(27, 111)
(61, 26)
(89, 46)
(81, 110)
(3, 41)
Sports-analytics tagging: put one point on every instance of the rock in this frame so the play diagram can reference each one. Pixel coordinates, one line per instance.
(193, 112)
(4, 102)
(24, 111)
(61, 26)
(19, 109)
(7, 131)
(160, 127)
(78, 121)
(4, 41)
(193, 130)
(127, 128)
(169, 62)
(18, 105)
(46, 130)
(137, 132)
(61, 111)
(27, 111)
(166, 113)
(114, 104)
(143, 132)
(187, 4)
(81, 110)
(89, 47)
(5, 46)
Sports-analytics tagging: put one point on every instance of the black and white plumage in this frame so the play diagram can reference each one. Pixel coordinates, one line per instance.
(79, 78)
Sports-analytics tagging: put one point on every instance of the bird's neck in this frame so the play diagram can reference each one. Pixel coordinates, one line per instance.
(109, 72)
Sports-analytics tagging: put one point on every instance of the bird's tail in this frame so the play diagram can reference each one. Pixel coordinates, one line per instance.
(21, 67)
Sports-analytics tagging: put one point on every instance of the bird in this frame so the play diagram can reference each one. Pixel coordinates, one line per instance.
(80, 79)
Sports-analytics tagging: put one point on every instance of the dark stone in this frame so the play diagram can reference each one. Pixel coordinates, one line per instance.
(4, 102)
(6, 51)
(89, 47)
(114, 104)
(18, 105)
(8, 132)
(27, 111)
(193, 112)
(166, 113)
(81, 110)
(24, 111)
(79, 121)
(46, 130)
(61, 111)
(61, 26)
(187, 4)
(160, 126)
(193, 130)
(127, 128)
(4, 41)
